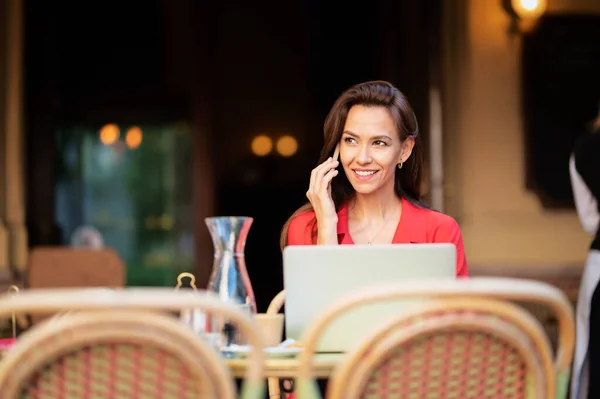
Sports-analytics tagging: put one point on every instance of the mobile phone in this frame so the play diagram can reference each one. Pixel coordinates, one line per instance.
(336, 152)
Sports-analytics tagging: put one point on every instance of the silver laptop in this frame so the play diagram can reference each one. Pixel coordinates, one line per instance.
(314, 276)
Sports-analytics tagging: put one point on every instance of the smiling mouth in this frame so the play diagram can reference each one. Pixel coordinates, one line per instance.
(364, 174)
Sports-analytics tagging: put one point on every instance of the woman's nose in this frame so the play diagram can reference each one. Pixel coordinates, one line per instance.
(364, 156)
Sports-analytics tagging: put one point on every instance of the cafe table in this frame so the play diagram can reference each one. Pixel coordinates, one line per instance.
(323, 365)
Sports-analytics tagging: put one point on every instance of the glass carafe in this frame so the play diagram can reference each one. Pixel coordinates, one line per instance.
(229, 278)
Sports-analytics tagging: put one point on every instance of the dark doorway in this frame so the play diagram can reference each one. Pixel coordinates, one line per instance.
(256, 68)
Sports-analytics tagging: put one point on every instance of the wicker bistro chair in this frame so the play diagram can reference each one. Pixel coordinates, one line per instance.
(122, 344)
(273, 383)
(466, 341)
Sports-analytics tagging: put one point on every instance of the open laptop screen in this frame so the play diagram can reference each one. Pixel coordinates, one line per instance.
(318, 275)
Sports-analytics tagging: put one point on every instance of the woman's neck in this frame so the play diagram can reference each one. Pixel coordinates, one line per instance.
(376, 207)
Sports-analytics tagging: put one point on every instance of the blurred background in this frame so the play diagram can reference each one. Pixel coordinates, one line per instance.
(132, 121)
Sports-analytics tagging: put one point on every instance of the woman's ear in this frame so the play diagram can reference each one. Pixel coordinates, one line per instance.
(407, 147)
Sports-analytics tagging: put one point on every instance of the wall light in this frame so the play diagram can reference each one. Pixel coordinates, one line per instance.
(287, 146)
(529, 8)
(133, 137)
(109, 134)
(261, 145)
(524, 13)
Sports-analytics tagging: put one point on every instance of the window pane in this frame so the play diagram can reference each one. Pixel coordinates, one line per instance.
(133, 185)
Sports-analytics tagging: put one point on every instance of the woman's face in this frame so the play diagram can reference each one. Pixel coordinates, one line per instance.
(370, 149)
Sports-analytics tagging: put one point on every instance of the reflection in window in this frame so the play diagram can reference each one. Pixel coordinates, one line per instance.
(133, 185)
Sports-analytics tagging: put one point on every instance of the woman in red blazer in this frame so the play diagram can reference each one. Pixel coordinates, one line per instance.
(371, 195)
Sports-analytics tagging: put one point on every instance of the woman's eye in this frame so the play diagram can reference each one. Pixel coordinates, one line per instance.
(349, 140)
(379, 142)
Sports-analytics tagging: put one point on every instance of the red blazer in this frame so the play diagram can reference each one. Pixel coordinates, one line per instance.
(417, 225)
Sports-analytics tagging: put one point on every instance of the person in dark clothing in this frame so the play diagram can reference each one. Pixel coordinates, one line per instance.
(584, 168)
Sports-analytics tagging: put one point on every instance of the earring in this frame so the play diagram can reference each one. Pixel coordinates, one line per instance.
(400, 165)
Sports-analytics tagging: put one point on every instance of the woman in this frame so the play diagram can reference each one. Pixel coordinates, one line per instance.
(584, 168)
(372, 194)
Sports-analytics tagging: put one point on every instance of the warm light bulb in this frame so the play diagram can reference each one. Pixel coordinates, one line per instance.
(133, 137)
(109, 134)
(261, 145)
(529, 8)
(287, 146)
(529, 4)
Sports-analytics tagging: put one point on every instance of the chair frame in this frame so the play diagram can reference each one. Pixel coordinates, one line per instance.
(89, 328)
(127, 308)
(471, 289)
(273, 383)
(352, 375)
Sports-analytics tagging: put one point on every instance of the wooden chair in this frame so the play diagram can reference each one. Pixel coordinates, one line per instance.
(466, 340)
(273, 383)
(122, 344)
(68, 267)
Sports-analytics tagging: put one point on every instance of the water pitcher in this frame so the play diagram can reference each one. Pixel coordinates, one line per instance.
(229, 278)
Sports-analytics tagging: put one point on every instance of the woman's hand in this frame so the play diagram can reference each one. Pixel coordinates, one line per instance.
(319, 195)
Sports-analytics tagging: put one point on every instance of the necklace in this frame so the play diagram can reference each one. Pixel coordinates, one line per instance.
(379, 232)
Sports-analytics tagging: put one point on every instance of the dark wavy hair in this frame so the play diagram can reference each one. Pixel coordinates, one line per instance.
(407, 181)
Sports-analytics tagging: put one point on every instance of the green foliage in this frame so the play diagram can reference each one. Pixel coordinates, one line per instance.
(139, 199)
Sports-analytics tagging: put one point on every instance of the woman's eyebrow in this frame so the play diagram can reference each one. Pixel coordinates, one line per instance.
(378, 137)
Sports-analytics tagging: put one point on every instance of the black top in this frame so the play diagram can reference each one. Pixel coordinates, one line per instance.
(587, 164)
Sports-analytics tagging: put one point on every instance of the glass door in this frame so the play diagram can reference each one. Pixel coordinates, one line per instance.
(131, 188)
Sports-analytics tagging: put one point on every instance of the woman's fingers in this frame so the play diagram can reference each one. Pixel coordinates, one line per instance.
(326, 180)
(322, 170)
(315, 175)
(318, 183)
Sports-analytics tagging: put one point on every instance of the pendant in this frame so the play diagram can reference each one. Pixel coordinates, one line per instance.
(368, 243)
